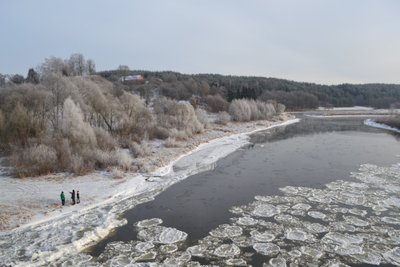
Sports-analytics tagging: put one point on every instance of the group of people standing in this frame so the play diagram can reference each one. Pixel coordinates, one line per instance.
(62, 196)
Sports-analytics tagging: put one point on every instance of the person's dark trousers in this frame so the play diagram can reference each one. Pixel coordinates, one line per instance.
(63, 202)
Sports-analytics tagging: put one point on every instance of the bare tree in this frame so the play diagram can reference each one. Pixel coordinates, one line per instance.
(77, 64)
(91, 67)
(53, 65)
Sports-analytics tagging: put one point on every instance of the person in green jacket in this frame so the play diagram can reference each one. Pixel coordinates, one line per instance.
(62, 198)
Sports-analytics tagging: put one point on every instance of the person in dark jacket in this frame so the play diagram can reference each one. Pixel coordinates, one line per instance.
(73, 196)
(62, 198)
(77, 197)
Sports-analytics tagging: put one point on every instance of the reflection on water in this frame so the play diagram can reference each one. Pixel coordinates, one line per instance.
(311, 153)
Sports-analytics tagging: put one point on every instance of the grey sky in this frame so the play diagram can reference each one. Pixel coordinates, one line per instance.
(324, 41)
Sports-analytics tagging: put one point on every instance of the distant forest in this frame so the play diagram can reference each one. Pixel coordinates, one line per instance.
(294, 95)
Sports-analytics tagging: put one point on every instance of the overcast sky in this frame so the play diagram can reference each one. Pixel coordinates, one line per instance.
(323, 41)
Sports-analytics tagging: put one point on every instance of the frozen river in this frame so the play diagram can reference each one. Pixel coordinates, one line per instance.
(321, 191)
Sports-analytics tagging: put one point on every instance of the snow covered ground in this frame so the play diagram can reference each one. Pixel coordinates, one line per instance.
(350, 112)
(51, 232)
(372, 123)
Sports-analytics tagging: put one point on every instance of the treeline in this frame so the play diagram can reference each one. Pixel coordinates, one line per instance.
(294, 95)
(61, 117)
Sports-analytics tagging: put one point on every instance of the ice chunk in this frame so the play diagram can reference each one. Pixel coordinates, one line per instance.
(316, 228)
(395, 235)
(342, 227)
(301, 206)
(227, 251)
(391, 220)
(163, 235)
(266, 236)
(150, 234)
(294, 253)
(172, 235)
(368, 256)
(349, 249)
(168, 249)
(358, 212)
(242, 241)
(178, 260)
(236, 262)
(267, 249)
(355, 221)
(278, 262)
(311, 252)
(151, 255)
(296, 234)
(197, 250)
(246, 221)
(226, 231)
(393, 256)
(265, 210)
(316, 214)
(149, 223)
(144, 246)
(342, 241)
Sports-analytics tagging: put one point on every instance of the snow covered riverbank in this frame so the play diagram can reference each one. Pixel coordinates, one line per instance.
(373, 123)
(58, 232)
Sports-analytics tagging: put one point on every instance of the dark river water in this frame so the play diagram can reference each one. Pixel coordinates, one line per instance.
(310, 153)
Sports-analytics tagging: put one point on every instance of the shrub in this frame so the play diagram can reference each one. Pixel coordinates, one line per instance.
(159, 132)
(240, 110)
(140, 150)
(171, 142)
(104, 139)
(246, 110)
(35, 160)
(201, 115)
(216, 103)
(223, 118)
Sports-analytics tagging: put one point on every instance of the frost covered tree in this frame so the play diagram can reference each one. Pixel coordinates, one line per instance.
(74, 127)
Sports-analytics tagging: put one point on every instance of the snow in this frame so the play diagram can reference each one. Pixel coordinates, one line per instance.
(347, 108)
(372, 123)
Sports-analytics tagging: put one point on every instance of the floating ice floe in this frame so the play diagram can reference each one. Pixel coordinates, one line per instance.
(391, 220)
(227, 251)
(266, 236)
(277, 262)
(144, 246)
(226, 231)
(149, 223)
(302, 206)
(162, 235)
(368, 256)
(246, 221)
(314, 253)
(316, 228)
(197, 250)
(393, 256)
(316, 214)
(296, 234)
(267, 249)
(265, 210)
(355, 221)
(168, 249)
(236, 262)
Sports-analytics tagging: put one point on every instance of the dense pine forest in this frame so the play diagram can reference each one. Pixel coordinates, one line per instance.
(294, 95)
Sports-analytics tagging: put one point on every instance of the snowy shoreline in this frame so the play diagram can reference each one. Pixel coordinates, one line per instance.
(77, 227)
(374, 124)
